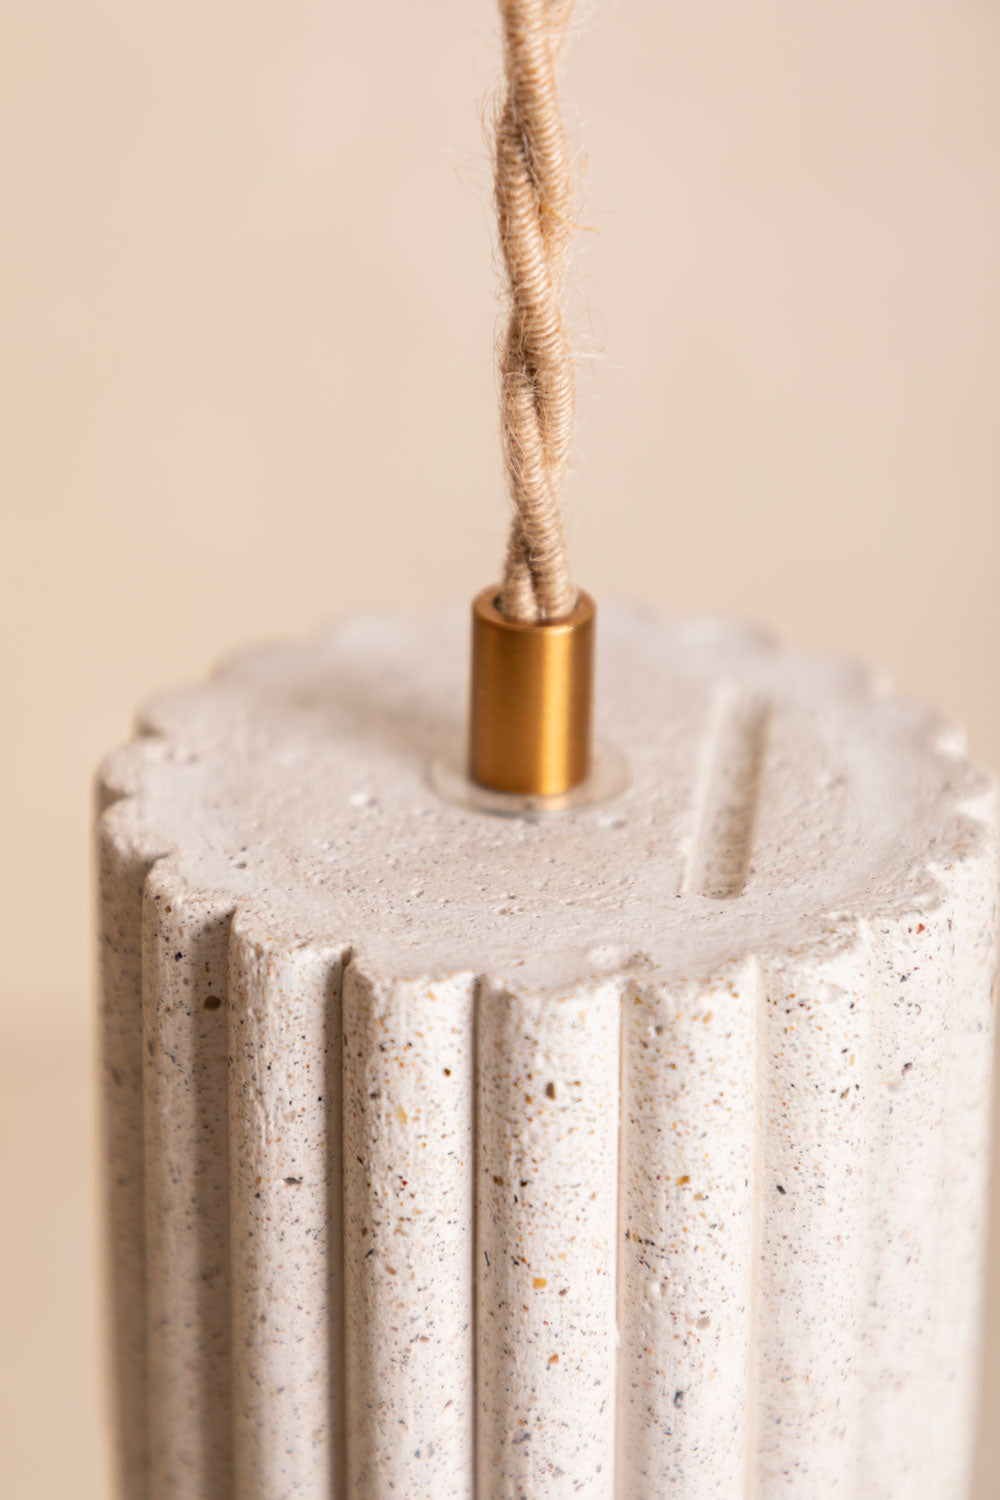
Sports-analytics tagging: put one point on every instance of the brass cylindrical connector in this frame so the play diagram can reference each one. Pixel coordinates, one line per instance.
(529, 709)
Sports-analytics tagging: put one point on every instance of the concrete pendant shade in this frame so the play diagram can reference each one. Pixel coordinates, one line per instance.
(636, 1153)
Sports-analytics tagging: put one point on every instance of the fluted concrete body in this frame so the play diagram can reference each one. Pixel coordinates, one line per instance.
(634, 1153)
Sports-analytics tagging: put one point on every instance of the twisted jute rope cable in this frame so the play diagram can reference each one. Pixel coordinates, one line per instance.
(533, 191)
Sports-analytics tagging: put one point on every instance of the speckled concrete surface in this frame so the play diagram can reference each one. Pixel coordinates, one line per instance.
(633, 1153)
(547, 1243)
(409, 1195)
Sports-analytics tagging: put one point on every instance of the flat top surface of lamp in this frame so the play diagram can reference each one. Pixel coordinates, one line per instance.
(774, 798)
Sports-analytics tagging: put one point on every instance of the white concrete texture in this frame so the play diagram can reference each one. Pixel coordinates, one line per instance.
(636, 1152)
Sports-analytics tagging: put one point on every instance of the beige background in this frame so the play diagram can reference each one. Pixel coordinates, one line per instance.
(248, 304)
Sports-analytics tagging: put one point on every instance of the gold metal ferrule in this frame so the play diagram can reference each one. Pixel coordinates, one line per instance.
(530, 699)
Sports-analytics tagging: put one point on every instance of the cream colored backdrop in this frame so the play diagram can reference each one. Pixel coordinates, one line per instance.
(248, 303)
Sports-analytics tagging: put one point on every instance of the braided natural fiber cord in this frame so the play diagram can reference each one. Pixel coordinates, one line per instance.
(534, 190)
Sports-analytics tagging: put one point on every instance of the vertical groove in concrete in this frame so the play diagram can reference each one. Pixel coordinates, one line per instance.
(750, 1489)
(481, 989)
(333, 1103)
(813, 1182)
(185, 944)
(687, 1236)
(121, 873)
(623, 1371)
(284, 1046)
(409, 1113)
(547, 1210)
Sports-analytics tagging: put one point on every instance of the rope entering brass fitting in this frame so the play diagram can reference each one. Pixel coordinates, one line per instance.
(530, 699)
